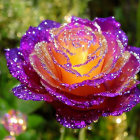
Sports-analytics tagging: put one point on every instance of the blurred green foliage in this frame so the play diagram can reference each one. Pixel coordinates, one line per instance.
(15, 18)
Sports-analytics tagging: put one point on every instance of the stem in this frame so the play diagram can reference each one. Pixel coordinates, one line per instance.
(82, 134)
(62, 136)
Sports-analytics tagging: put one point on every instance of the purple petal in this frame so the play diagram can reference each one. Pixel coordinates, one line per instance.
(35, 35)
(25, 93)
(130, 69)
(107, 24)
(72, 118)
(15, 63)
(32, 37)
(86, 22)
(118, 105)
(110, 25)
(122, 37)
(79, 101)
(23, 71)
(48, 24)
(72, 100)
(134, 49)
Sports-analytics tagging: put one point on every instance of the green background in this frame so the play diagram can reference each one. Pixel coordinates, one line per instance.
(15, 18)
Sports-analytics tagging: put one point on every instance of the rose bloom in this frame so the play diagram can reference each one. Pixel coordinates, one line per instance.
(85, 69)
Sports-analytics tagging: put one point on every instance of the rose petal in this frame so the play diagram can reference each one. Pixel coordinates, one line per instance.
(72, 100)
(110, 25)
(48, 24)
(107, 24)
(134, 49)
(15, 63)
(130, 69)
(72, 118)
(44, 74)
(115, 51)
(121, 35)
(87, 55)
(116, 106)
(22, 71)
(108, 92)
(25, 93)
(77, 20)
(35, 35)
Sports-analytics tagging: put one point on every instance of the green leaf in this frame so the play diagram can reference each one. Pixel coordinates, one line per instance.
(138, 24)
(70, 138)
(28, 106)
(7, 82)
(3, 132)
(28, 135)
(4, 107)
(35, 121)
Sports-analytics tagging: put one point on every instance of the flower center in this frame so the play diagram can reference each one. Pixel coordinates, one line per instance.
(84, 49)
(75, 54)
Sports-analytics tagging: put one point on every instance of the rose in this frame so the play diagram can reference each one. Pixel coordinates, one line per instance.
(85, 69)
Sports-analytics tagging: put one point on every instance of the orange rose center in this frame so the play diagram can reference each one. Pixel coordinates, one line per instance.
(86, 55)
